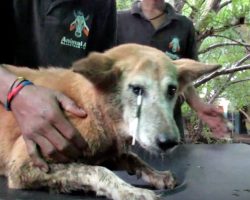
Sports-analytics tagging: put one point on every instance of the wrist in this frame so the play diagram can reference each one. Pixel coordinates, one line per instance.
(6, 80)
(15, 88)
(196, 103)
(193, 100)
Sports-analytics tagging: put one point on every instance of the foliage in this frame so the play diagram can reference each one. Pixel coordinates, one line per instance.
(224, 38)
(123, 4)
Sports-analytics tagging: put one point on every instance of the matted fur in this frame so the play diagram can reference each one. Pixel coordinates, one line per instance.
(102, 84)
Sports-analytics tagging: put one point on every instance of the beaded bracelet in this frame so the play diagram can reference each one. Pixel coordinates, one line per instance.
(14, 90)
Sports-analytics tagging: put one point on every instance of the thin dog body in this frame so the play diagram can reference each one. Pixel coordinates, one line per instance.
(107, 85)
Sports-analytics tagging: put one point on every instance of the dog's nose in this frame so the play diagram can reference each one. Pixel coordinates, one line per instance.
(165, 142)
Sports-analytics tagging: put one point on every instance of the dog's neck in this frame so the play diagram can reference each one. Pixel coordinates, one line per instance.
(104, 134)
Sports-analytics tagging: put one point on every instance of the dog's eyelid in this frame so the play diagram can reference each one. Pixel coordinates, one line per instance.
(137, 88)
(172, 86)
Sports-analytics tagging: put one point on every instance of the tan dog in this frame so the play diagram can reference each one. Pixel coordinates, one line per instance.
(108, 86)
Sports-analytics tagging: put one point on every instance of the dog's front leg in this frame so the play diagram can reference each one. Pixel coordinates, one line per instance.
(134, 165)
(70, 177)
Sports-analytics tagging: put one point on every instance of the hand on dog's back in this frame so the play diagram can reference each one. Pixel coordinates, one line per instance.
(42, 122)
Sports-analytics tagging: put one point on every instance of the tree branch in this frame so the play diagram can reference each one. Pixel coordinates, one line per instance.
(221, 72)
(222, 36)
(235, 22)
(221, 89)
(239, 81)
(226, 84)
(222, 45)
(235, 69)
(191, 6)
(242, 60)
(194, 10)
(224, 4)
(245, 114)
(211, 5)
(178, 5)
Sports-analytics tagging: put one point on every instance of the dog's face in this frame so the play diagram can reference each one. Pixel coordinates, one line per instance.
(136, 70)
(156, 80)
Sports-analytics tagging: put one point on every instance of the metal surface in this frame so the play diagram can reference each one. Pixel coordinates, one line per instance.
(205, 172)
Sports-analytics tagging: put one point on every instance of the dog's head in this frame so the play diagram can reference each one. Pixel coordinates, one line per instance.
(131, 70)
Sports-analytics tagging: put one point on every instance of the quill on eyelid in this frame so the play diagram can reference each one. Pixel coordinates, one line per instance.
(137, 117)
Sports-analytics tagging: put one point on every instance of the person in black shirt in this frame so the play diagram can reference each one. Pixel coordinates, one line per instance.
(155, 23)
(51, 33)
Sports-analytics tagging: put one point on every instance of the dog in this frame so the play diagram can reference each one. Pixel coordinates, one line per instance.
(108, 85)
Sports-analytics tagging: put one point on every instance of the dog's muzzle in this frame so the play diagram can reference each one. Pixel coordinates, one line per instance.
(165, 142)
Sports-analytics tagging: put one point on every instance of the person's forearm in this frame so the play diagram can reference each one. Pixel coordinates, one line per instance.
(192, 98)
(6, 79)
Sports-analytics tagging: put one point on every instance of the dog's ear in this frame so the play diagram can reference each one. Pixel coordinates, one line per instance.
(98, 68)
(190, 70)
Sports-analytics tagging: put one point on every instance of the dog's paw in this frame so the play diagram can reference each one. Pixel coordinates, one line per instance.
(163, 179)
(138, 194)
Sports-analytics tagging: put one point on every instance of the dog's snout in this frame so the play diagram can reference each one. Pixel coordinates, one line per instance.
(165, 142)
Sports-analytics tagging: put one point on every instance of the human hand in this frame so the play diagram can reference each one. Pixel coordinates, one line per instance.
(214, 119)
(38, 112)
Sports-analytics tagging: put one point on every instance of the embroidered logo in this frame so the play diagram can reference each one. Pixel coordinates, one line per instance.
(174, 46)
(81, 31)
(79, 24)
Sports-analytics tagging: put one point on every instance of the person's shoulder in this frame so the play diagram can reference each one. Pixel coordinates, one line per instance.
(183, 18)
(125, 12)
(180, 17)
(105, 4)
(109, 2)
(103, 8)
(134, 10)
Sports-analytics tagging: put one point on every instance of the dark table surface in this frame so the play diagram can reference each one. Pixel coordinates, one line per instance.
(206, 172)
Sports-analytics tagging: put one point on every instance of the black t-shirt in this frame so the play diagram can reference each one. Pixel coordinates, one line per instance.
(175, 37)
(57, 32)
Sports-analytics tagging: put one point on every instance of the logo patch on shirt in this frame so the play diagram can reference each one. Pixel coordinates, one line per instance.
(174, 46)
(79, 26)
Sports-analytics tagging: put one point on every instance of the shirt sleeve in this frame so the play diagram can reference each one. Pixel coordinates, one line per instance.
(103, 35)
(111, 26)
(7, 33)
(192, 44)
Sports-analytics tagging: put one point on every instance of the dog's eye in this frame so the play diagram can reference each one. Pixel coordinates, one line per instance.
(172, 89)
(137, 89)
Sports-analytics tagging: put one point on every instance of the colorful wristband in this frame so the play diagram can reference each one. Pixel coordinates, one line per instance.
(14, 90)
